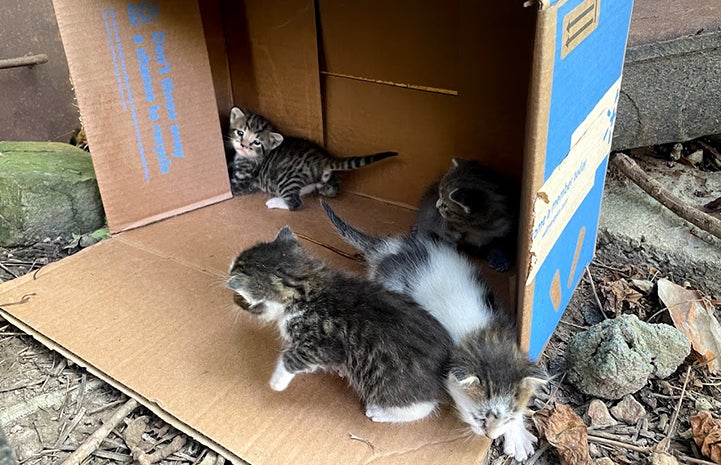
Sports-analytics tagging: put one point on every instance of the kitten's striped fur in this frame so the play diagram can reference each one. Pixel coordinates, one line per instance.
(390, 350)
(286, 167)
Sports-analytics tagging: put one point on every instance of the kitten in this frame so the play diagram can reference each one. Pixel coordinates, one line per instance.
(490, 379)
(473, 207)
(286, 167)
(391, 351)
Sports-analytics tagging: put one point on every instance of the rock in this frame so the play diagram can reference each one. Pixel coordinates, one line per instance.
(662, 458)
(629, 410)
(703, 403)
(643, 285)
(598, 415)
(616, 357)
(46, 189)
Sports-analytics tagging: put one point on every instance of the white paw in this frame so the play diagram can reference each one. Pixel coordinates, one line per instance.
(518, 442)
(403, 414)
(281, 377)
(277, 202)
(378, 414)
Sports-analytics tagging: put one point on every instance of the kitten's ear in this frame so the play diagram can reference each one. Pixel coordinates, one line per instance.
(275, 140)
(457, 161)
(531, 383)
(460, 197)
(237, 117)
(464, 379)
(286, 234)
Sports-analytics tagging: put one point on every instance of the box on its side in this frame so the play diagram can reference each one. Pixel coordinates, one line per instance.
(147, 309)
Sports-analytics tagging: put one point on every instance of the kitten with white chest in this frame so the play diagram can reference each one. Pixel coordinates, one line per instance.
(489, 378)
(391, 351)
(475, 208)
(286, 167)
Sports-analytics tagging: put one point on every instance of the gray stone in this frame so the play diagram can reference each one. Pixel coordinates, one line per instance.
(616, 357)
(629, 410)
(634, 227)
(598, 415)
(666, 90)
(702, 403)
(47, 189)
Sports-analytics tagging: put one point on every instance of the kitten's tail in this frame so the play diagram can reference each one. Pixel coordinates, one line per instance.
(355, 237)
(353, 163)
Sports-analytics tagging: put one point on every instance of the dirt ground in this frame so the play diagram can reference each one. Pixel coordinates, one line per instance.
(48, 407)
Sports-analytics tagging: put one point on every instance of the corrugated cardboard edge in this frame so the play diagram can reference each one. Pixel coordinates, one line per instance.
(117, 228)
(534, 159)
(150, 405)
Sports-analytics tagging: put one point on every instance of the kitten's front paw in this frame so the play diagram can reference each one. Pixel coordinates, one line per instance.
(277, 202)
(518, 443)
(281, 377)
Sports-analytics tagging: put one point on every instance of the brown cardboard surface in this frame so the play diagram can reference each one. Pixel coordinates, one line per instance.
(280, 50)
(411, 42)
(147, 311)
(103, 53)
(363, 118)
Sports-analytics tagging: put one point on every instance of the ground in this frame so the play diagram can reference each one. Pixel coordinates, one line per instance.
(45, 419)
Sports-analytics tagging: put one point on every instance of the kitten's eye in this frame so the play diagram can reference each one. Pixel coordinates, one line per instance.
(239, 132)
(256, 142)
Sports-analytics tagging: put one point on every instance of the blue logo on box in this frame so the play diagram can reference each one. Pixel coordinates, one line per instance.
(143, 13)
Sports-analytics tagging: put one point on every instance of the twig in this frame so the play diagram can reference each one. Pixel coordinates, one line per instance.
(66, 432)
(148, 459)
(663, 446)
(654, 188)
(612, 442)
(685, 458)
(8, 270)
(595, 294)
(94, 440)
(21, 386)
(353, 437)
(51, 400)
(22, 300)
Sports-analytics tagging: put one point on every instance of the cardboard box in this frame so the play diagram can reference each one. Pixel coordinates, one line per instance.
(147, 311)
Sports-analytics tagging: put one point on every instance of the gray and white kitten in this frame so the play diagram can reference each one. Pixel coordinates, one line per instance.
(475, 208)
(391, 351)
(286, 167)
(489, 378)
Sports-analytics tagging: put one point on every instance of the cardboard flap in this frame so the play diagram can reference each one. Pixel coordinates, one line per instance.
(146, 97)
(158, 324)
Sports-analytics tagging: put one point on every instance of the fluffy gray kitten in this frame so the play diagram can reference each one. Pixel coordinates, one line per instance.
(391, 351)
(489, 378)
(286, 167)
(475, 208)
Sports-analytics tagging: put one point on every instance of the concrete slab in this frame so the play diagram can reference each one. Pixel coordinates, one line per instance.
(671, 83)
(634, 227)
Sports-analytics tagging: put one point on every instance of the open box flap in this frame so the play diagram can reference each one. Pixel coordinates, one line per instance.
(149, 111)
(147, 311)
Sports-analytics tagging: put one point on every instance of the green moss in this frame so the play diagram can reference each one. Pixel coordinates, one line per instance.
(46, 189)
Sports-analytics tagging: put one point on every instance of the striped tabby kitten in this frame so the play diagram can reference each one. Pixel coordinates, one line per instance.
(489, 378)
(286, 167)
(377, 339)
(473, 207)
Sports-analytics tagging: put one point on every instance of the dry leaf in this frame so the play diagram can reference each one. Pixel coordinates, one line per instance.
(619, 291)
(565, 431)
(133, 434)
(707, 434)
(694, 318)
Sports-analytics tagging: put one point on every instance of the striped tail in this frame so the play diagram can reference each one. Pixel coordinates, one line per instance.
(353, 163)
(362, 241)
